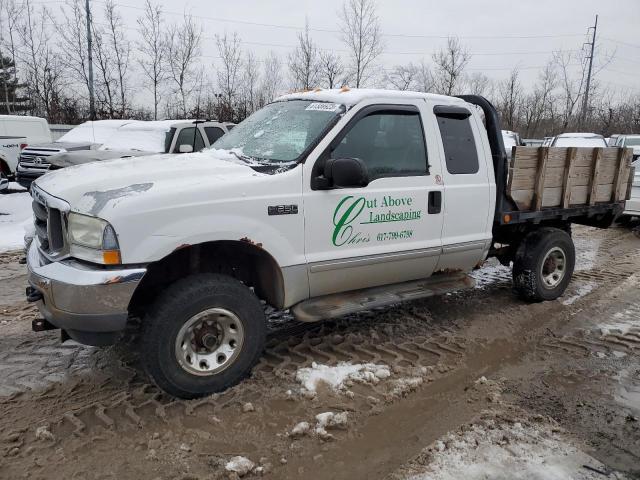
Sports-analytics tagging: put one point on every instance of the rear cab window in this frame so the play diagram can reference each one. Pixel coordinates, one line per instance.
(461, 154)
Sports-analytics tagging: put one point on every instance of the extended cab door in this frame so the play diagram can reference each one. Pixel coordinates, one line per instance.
(384, 232)
(469, 186)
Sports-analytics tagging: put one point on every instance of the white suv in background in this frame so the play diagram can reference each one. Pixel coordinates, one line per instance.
(34, 163)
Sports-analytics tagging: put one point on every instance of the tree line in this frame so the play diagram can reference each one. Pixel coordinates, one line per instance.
(44, 71)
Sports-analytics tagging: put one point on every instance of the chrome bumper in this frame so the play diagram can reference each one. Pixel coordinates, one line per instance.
(90, 304)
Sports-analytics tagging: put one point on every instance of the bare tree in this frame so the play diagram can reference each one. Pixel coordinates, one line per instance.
(572, 88)
(120, 47)
(250, 83)
(424, 81)
(360, 31)
(331, 69)
(10, 16)
(450, 63)
(403, 77)
(510, 100)
(183, 49)
(304, 62)
(73, 42)
(229, 75)
(105, 82)
(271, 79)
(538, 105)
(37, 55)
(152, 48)
(478, 84)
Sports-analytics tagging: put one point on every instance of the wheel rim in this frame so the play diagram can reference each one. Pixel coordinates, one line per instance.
(554, 267)
(209, 342)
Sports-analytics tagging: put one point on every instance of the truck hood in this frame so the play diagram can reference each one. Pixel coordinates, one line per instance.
(69, 159)
(91, 188)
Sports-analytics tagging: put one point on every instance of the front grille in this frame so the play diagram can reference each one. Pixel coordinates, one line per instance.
(36, 159)
(48, 224)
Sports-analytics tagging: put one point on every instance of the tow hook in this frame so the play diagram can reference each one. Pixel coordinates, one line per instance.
(41, 325)
(33, 295)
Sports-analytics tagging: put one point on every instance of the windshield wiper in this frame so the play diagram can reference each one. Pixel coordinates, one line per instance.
(247, 159)
(242, 158)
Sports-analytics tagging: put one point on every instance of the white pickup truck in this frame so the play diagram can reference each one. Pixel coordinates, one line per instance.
(325, 202)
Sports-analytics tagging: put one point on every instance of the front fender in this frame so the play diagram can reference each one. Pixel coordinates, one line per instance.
(285, 249)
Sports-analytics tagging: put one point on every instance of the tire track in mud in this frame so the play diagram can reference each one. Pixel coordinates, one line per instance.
(395, 343)
(591, 383)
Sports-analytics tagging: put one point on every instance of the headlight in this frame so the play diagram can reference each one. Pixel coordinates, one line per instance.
(93, 239)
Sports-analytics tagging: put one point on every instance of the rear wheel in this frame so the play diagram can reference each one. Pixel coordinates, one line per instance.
(543, 265)
(203, 335)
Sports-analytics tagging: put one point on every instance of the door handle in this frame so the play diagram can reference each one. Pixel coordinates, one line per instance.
(435, 202)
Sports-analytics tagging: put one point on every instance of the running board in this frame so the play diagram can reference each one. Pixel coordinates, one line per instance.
(339, 304)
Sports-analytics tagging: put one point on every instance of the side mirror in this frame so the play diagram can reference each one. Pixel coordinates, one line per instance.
(346, 173)
(185, 148)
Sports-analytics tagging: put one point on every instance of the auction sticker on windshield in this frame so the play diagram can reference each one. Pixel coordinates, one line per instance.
(323, 107)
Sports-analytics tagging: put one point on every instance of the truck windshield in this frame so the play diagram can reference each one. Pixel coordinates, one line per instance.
(279, 132)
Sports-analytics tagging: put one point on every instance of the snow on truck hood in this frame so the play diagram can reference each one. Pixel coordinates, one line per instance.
(88, 188)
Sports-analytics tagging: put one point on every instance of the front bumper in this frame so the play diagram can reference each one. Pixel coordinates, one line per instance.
(26, 177)
(89, 303)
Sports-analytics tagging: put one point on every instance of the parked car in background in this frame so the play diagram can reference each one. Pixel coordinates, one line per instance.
(16, 132)
(33, 161)
(579, 140)
(136, 139)
(632, 206)
(611, 141)
(629, 141)
(510, 140)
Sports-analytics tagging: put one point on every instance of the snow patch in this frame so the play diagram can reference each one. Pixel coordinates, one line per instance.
(239, 465)
(332, 420)
(581, 291)
(624, 322)
(335, 377)
(502, 452)
(15, 218)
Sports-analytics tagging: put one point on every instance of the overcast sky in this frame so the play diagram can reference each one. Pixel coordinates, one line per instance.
(500, 34)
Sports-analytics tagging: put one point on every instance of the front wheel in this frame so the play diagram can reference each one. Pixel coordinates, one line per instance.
(543, 265)
(202, 335)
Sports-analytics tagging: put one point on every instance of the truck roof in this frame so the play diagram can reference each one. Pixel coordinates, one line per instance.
(580, 135)
(353, 96)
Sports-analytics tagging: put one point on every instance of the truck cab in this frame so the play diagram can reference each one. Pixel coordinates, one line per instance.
(325, 202)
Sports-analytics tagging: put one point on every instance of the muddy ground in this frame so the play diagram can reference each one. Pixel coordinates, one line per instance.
(70, 411)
